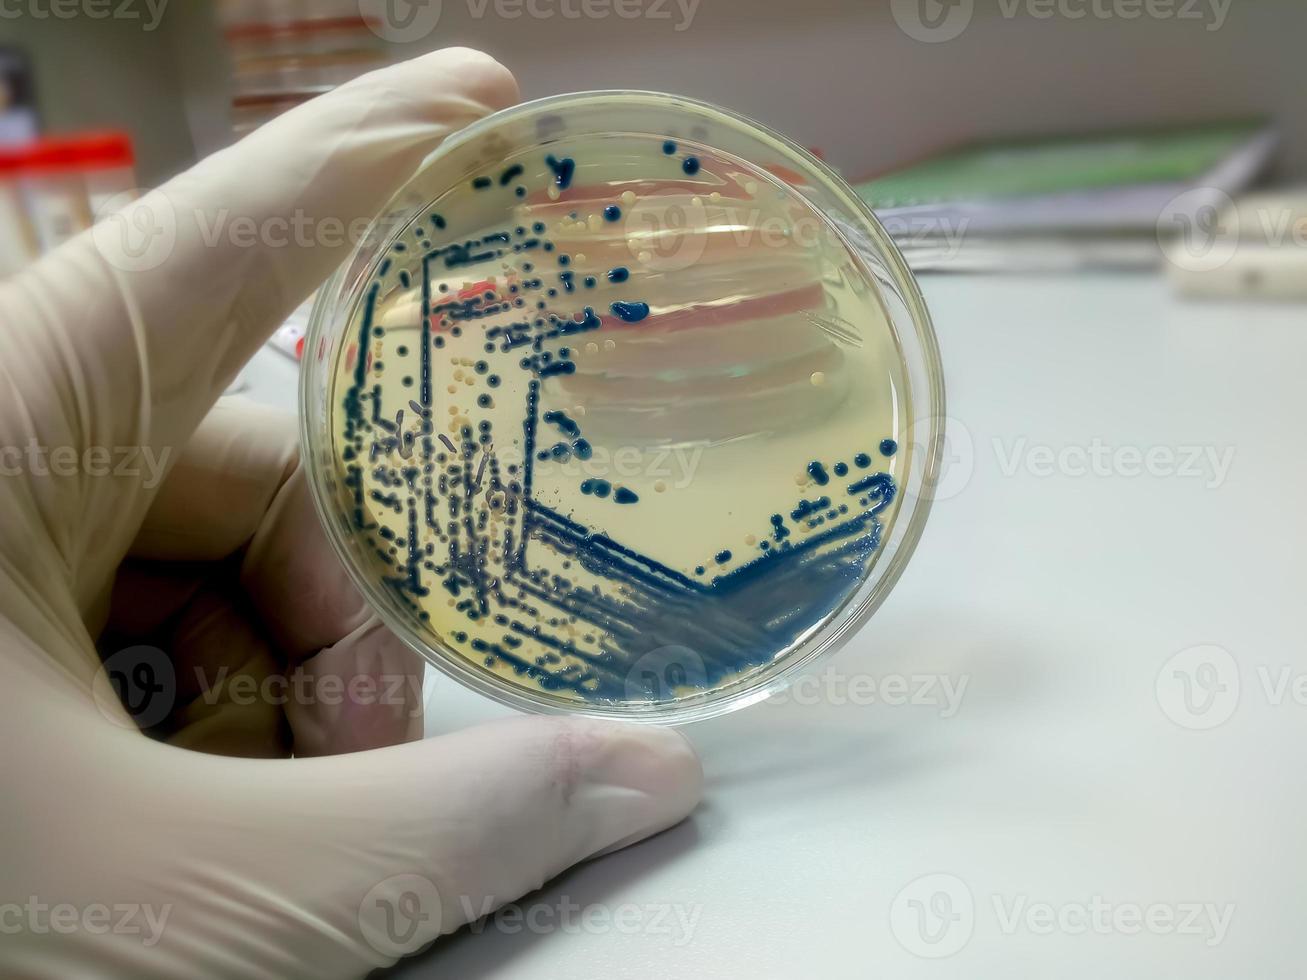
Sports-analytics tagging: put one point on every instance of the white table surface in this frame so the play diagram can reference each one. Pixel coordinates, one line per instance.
(1072, 798)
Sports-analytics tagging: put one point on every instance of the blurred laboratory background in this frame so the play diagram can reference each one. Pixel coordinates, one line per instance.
(1103, 202)
(989, 134)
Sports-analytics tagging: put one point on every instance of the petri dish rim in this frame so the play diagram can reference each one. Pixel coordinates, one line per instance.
(854, 611)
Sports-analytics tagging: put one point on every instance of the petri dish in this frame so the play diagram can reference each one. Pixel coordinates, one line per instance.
(624, 406)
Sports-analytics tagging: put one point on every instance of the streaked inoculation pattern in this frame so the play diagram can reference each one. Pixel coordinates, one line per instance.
(619, 421)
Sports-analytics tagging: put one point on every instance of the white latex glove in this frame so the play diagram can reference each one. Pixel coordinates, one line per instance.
(276, 867)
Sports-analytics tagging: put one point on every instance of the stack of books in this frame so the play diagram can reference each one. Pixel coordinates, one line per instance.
(1065, 202)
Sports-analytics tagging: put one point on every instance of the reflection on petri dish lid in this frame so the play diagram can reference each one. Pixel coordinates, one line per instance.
(612, 415)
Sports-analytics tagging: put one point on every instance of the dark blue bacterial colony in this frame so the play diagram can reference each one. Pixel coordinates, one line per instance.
(457, 534)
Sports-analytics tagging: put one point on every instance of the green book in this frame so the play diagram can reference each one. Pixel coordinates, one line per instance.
(1090, 181)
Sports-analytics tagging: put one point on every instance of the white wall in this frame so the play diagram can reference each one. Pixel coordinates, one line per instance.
(841, 74)
(838, 74)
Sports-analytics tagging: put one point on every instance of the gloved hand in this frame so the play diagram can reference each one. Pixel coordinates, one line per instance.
(210, 865)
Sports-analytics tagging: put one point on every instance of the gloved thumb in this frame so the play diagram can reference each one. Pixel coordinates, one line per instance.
(325, 867)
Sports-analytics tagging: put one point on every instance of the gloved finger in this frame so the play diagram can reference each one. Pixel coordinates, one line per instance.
(320, 867)
(219, 485)
(237, 487)
(227, 692)
(127, 348)
(364, 692)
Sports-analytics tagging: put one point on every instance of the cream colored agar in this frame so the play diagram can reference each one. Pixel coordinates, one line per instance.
(817, 375)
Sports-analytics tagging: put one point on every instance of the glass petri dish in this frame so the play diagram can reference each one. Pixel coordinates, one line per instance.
(624, 406)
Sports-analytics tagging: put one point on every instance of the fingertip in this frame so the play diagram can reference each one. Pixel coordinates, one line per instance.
(664, 763)
(484, 78)
(644, 778)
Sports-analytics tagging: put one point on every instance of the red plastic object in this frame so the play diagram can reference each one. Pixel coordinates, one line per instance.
(108, 150)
